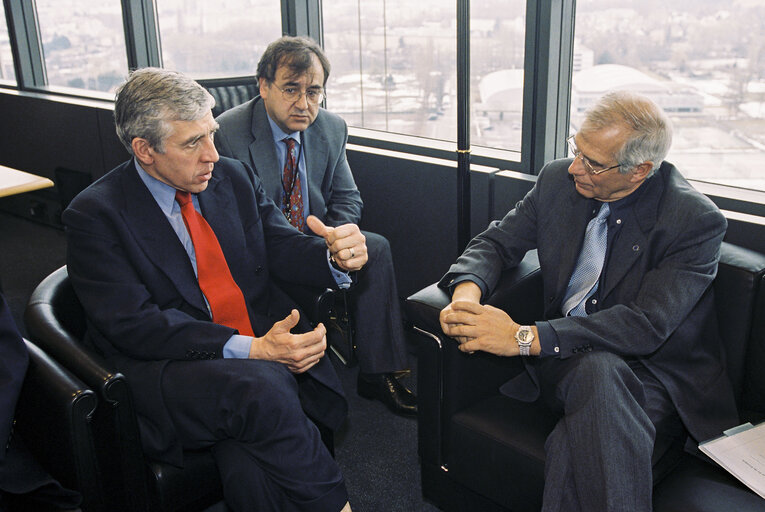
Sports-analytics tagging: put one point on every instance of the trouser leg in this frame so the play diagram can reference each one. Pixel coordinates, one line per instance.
(599, 454)
(381, 345)
(270, 455)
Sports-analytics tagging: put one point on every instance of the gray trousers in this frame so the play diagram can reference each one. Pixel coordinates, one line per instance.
(599, 455)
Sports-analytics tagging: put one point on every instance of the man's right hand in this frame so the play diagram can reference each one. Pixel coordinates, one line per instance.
(298, 352)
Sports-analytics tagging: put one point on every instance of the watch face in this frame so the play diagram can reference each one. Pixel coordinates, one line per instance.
(525, 336)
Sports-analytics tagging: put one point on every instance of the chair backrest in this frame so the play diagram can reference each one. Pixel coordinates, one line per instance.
(230, 92)
(740, 306)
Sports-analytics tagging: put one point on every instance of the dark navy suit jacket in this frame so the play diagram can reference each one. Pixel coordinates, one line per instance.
(142, 299)
(656, 301)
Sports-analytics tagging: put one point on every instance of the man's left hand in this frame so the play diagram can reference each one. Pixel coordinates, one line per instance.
(347, 246)
(484, 327)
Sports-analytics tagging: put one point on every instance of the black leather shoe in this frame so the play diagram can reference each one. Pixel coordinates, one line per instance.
(386, 388)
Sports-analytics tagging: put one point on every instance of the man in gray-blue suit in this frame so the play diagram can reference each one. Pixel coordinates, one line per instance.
(292, 74)
(631, 359)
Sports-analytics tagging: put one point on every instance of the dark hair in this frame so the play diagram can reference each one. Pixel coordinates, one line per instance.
(296, 53)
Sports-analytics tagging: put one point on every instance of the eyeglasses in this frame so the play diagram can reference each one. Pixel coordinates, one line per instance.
(586, 161)
(293, 94)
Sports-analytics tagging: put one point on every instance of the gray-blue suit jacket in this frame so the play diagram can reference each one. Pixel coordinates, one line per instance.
(245, 134)
(656, 301)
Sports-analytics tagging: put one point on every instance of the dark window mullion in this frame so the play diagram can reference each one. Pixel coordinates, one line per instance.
(24, 34)
(141, 33)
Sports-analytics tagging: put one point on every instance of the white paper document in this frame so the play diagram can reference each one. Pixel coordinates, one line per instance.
(741, 451)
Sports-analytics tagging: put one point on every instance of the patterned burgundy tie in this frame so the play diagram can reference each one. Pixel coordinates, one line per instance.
(215, 280)
(292, 199)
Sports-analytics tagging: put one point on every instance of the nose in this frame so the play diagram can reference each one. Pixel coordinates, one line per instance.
(577, 166)
(209, 153)
(302, 102)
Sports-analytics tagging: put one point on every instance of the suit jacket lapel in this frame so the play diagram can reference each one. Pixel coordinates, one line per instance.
(263, 152)
(316, 157)
(157, 239)
(221, 215)
(633, 241)
(570, 232)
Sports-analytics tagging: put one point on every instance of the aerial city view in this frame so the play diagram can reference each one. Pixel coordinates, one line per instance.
(394, 64)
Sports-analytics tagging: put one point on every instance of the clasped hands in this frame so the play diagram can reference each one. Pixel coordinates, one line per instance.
(478, 326)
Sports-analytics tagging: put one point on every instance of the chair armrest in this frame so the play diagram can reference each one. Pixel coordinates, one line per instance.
(449, 380)
(54, 418)
(316, 303)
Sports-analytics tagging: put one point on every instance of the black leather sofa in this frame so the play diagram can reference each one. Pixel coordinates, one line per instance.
(483, 451)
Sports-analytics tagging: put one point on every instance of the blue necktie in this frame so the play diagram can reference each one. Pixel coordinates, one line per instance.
(584, 279)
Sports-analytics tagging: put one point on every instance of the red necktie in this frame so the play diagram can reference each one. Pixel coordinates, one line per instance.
(222, 293)
(292, 199)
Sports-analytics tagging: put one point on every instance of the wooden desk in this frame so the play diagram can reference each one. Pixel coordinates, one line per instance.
(17, 182)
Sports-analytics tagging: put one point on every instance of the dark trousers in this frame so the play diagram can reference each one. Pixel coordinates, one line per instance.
(381, 346)
(599, 455)
(269, 453)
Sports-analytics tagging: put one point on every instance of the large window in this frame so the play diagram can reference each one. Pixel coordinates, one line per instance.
(393, 65)
(703, 62)
(6, 57)
(497, 32)
(83, 43)
(216, 39)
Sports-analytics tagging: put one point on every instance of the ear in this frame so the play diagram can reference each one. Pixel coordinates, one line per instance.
(263, 87)
(641, 171)
(143, 150)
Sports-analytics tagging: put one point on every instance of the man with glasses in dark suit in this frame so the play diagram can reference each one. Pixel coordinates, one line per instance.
(628, 354)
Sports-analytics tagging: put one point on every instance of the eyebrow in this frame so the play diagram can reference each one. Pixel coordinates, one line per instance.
(592, 162)
(197, 137)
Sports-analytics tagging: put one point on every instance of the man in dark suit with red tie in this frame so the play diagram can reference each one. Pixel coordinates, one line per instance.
(172, 256)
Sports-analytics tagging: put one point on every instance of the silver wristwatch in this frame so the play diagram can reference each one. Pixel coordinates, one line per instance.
(524, 337)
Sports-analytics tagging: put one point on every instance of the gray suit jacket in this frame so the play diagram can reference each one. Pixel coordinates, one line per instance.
(245, 134)
(656, 300)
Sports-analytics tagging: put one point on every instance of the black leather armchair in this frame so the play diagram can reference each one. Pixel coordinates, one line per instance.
(483, 451)
(56, 321)
(54, 420)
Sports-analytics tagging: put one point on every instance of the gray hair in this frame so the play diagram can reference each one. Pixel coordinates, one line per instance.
(651, 129)
(150, 99)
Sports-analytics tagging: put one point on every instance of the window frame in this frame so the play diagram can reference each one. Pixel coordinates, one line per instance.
(549, 42)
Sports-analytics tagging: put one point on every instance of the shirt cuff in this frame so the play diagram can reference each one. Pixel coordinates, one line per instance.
(548, 340)
(237, 347)
(343, 279)
(469, 277)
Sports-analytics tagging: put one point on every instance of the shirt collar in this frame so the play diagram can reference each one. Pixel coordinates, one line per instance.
(163, 193)
(279, 134)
